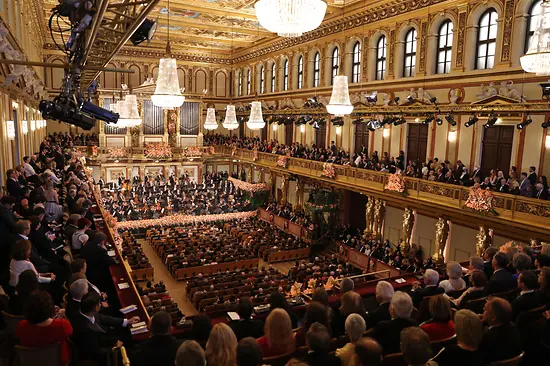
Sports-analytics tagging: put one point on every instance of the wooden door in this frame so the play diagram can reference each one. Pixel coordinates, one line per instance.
(496, 149)
(321, 135)
(264, 132)
(289, 134)
(361, 137)
(417, 142)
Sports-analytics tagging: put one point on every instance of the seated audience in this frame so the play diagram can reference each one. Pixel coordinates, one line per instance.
(278, 338)
(161, 348)
(501, 279)
(246, 326)
(355, 327)
(488, 256)
(21, 262)
(315, 313)
(384, 294)
(201, 328)
(477, 289)
(190, 353)
(97, 260)
(529, 298)
(440, 326)
(416, 348)
(368, 352)
(249, 352)
(544, 282)
(42, 327)
(318, 341)
(28, 283)
(455, 281)
(221, 348)
(352, 303)
(521, 262)
(431, 279)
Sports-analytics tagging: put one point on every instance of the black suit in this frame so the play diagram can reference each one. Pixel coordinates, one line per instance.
(526, 302)
(533, 178)
(92, 340)
(388, 334)
(380, 314)
(488, 269)
(418, 295)
(501, 281)
(500, 343)
(247, 328)
(158, 350)
(542, 194)
(322, 359)
(14, 188)
(98, 262)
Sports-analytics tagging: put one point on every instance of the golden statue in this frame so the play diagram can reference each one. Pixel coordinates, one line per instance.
(379, 213)
(482, 241)
(369, 215)
(441, 235)
(408, 223)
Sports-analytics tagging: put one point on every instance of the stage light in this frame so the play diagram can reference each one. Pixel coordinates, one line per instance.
(525, 123)
(401, 120)
(472, 121)
(396, 100)
(145, 32)
(546, 124)
(491, 120)
(450, 118)
(410, 98)
(439, 121)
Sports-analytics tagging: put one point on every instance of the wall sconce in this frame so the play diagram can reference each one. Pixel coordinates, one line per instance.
(274, 127)
(11, 129)
(24, 127)
(452, 136)
(338, 130)
(386, 133)
(302, 128)
(547, 142)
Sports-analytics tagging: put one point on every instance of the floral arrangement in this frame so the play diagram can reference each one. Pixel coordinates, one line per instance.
(481, 201)
(95, 151)
(255, 154)
(110, 220)
(396, 184)
(182, 219)
(509, 247)
(117, 152)
(328, 171)
(249, 187)
(192, 151)
(282, 161)
(158, 151)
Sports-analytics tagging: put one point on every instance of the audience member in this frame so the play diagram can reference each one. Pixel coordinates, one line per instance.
(455, 281)
(355, 327)
(28, 283)
(221, 348)
(416, 348)
(501, 279)
(278, 338)
(368, 352)
(246, 326)
(440, 326)
(384, 294)
(318, 340)
(190, 353)
(529, 298)
(477, 289)
(431, 279)
(249, 352)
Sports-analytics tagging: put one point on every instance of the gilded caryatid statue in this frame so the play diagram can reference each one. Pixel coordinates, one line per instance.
(408, 223)
(379, 213)
(441, 235)
(369, 216)
(482, 241)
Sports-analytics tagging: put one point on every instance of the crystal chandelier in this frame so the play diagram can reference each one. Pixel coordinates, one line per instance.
(210, 123)
(128, 112)
(537, 58)
(230, 121)
(290, 18)
(256, 121)
(340, 104)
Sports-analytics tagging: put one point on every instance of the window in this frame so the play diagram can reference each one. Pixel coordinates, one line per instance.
(262, 79)
(273, 71)
(248, 82)
(285, 75)
(356, 63)
(240, 89)
(532, 22)
(410, 53)
(300, 72)
(316, 69)
(381, 58)
(335, 62)
(444, 47)
(486, 40)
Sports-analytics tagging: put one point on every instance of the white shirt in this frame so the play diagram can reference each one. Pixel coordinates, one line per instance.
(18, 267)
(29, 170)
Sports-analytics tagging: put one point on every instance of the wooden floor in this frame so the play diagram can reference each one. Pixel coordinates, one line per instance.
(175, 288)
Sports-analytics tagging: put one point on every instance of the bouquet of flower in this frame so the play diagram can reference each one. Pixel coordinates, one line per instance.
(158, 151)
(480, 200)
(509, 247)
(249, 187)
(396, 184)
(281, 161)
(117, 152)
(192, 151)
(328, 171)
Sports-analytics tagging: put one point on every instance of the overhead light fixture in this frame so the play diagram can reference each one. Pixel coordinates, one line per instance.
(451, 119)
(10, 127)
(401, 120)
(396, 100)
(410, 99)
(210, 123)
(290, 18)
(256, 120)
(128, 112)
(472, 121)
(537, 58)
(417, 119)
(145, 32)
(316, 125)
(433, 100)
(340, 104)
(429, 119)
(546, 124)
(24, 127)
(372, 97)
(439, 121)
(525, 123)
(230, 122)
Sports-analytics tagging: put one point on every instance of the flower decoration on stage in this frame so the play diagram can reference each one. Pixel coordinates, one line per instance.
(255, 154)
(396, 184)
(249, 187)
(480, 200)
(158, 151)
(328, 171)
(181, 219)
(95, 151)
(282, 161)
(117, 152)
(110, 220)
(192, 151)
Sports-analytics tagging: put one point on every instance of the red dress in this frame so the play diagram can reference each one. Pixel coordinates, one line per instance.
(270, 351)
(31, 335)
(439, 331)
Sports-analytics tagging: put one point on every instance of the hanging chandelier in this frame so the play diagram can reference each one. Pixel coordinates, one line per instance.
(210, 123)
(340, 104)
(537, 58)
(290, 18)
(256, 120)
(230, 121)
(128, 112)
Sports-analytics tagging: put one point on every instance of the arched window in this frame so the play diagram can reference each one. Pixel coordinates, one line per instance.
(262, 79)
(410, 53)
(532, 22)
(356, 63)
(240, 88)
(335, 60)
(273, 72)
(381, 58)
(300, 72)
(285, 75)
(248, 76)
(486, 40)
(316, 69)
(444, 47)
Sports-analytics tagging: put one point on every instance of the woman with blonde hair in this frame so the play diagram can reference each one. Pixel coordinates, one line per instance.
(278, 338)
(469, 332)
(221, 348)
(455, 281)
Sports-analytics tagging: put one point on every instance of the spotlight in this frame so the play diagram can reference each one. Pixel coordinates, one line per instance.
(439, 121)
(372, 98)
(525, 123)
(433, 100)
(429, 119)
(357, 120)
(316, 125)
(145, 32)
(396, 100)
(401, 120)
(386, 121)
(472, 121)
(450, 118)
(491, 120)
(410, 98)
(546, 124)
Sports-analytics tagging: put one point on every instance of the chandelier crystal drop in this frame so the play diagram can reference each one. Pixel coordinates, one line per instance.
(537, 58)
(230, 121)
(128, 112)
(340, 104)
(210, 123)
(167, 91)
(290, 18)
(256, 120)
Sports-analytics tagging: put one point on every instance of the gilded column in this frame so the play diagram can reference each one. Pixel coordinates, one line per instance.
(508, 31)
(461, 37)
(408, 223)
(441, 235)
(369, 216)
(391, 52)
(284, 189)
(483, 241)
(379, 214)
(299, 194)
(423, 47)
